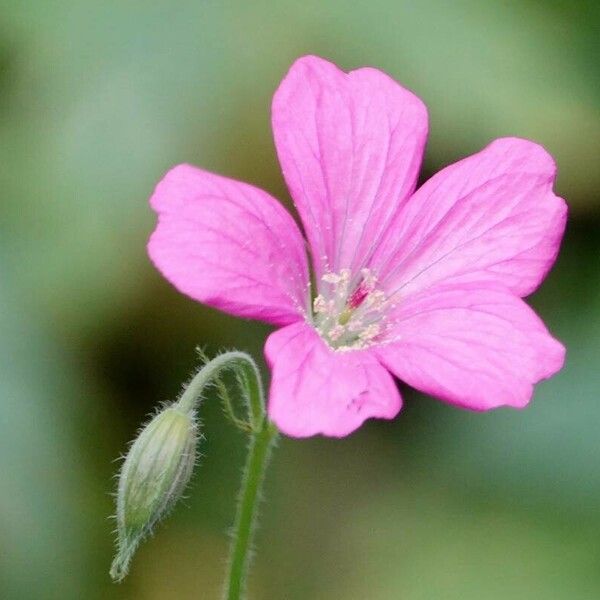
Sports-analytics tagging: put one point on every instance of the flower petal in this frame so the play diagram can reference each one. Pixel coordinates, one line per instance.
(316, 390)
(477, 346)
(492, 216)
(229, 245)
(350, 146)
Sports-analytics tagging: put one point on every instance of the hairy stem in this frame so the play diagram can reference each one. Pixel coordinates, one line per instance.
(227, 360)
(259, 450)
(262, 436)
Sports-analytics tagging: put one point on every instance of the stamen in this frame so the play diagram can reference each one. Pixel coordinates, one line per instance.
(336, 333)
(319, 304)
(342, 277)
(350, 317)
(370, 332)
(356, 325)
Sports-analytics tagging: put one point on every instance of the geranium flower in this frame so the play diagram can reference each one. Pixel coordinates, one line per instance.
(424, 285)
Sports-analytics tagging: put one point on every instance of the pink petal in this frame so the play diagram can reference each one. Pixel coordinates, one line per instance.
(477, 346)
(316, 390)
(350, 146)
(229, 245)
(492, 216)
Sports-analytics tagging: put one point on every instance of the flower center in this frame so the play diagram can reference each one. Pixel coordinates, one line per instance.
(349, 316)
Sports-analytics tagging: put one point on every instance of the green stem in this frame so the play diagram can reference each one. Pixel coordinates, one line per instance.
(262, 436)
(261, 442)
(227, 360)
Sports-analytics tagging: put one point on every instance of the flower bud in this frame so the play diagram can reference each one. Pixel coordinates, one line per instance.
(154, 476)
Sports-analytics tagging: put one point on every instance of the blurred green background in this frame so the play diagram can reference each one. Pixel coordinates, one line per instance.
(97, 100)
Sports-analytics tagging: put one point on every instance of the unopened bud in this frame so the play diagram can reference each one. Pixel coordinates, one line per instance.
(154, 476)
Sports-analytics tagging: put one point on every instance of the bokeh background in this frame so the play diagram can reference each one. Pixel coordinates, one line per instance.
(97, 99)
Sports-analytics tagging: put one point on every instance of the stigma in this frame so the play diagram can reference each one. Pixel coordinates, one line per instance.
(349, 313)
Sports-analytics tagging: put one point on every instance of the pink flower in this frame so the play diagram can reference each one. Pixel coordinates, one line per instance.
(425, 285)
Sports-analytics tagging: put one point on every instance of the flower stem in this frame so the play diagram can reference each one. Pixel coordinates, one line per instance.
(259, 450)
(228, 360)
(262, 436)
